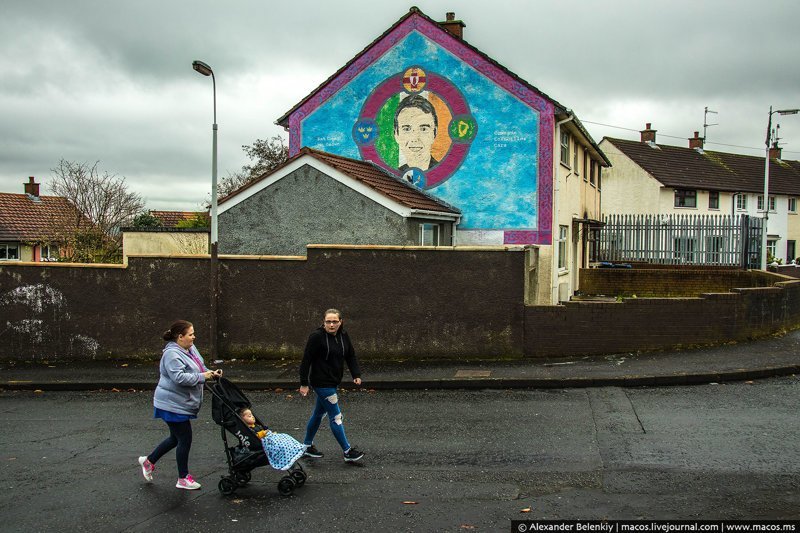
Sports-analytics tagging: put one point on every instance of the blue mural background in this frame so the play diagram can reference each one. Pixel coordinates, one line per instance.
(496, 185)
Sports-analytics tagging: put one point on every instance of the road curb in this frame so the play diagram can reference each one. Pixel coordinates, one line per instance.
(444, 383)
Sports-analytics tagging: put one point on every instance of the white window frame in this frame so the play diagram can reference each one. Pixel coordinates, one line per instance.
(575, 165)
(772, 245)
(5, 246)
(741, 202)
(564, 155)
(710, 196)
(685, 195)
(49, 252)
(792, 204)
(562, 247)
(760, 204)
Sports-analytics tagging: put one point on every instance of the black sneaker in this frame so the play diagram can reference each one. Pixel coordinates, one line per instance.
(353, 455)
(312, 451)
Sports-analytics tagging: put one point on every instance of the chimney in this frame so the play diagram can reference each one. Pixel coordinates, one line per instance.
(648, 135)
(775, 151)
(32, 188)
(452, 26)
(696, 141)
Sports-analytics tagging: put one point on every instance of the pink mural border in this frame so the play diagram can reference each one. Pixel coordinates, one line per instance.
(543, 235)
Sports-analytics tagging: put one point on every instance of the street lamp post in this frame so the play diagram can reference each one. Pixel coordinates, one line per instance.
(205, 70)
(766, 181)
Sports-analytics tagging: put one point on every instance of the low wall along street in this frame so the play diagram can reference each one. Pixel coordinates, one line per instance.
(399, 303)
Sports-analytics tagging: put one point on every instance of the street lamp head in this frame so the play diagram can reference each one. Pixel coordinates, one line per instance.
(202, 68)
(788, 111)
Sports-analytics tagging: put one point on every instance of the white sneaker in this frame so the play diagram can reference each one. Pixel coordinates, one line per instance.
(187, 483)
(147, 468)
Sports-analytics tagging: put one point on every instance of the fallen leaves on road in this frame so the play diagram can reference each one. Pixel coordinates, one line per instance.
(409, 503)
(526, 510)
(38, 391)
(467, 526)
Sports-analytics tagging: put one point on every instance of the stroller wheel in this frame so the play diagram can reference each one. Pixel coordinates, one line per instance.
(227, 486)
(299, 477)
(286, 486)
(243, 478)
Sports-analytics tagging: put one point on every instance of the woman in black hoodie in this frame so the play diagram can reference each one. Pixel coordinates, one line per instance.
(327, 349)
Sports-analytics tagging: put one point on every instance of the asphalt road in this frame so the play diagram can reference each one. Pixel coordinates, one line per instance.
(468, 460)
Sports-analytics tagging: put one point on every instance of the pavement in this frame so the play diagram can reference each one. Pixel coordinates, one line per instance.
(772, 356)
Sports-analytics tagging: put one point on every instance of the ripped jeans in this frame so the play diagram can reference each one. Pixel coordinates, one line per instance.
(327, 404)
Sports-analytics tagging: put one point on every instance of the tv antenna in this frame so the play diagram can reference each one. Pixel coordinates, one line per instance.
(705, 121)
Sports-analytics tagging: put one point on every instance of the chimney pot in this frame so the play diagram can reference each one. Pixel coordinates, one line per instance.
(648, 134)
(32, 188)
(451, 16)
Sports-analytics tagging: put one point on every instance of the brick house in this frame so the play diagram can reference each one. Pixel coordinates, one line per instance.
(32, 227)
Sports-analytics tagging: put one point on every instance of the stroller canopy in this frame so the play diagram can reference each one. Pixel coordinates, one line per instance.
(226, 402)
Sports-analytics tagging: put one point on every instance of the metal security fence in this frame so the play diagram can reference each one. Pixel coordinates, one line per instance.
(722, 240)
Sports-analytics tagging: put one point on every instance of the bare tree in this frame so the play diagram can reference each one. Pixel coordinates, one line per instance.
(103, 204)
(266, 154)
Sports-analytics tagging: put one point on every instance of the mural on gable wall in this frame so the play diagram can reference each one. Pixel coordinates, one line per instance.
(421, 112)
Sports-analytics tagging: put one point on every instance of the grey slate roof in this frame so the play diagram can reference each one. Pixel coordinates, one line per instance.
(687, 168)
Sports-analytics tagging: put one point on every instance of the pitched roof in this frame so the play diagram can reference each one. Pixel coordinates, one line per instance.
(283, 121)
(687, 168)
(29, 218)
(370, 175)
(170, 219)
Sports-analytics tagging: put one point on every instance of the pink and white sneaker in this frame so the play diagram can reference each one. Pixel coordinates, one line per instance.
(187, 483)
(147, 468)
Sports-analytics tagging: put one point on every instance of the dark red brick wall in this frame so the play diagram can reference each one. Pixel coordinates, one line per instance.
(641, 324)
(397, 303)
(669, 283)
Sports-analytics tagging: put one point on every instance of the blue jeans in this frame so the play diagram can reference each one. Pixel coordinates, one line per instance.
(327, 404)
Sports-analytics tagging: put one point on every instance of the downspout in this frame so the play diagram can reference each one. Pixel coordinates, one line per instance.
(556, 190)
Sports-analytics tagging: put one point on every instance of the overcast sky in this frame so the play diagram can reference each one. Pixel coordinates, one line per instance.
(112, 81)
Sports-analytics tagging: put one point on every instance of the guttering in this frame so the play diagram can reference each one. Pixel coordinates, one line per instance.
(554, 225)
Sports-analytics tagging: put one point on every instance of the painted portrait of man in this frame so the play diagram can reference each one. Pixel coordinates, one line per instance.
(415, 127)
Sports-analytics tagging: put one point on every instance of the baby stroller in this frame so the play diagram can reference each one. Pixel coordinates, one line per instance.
(248, 453)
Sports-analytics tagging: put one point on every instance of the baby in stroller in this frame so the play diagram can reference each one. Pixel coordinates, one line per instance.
(255, 444)
(282, 450)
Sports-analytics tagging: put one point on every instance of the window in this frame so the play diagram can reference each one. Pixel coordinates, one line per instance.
(565, 148)
(592, 172)
(50, 253)
(791, 250)
(562, 247)
(575, 158)
(771, 245)
(599, 173)
(741, 202)
(585, 166)
(793, 205)
(685, 198)
(9, 251)
(429, 234)
(761, 203)
(713, 199)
